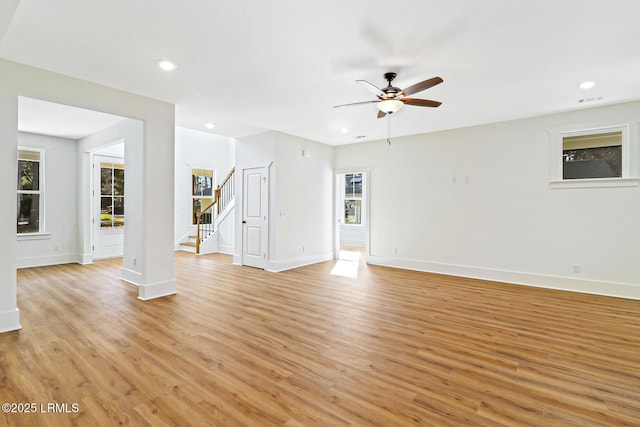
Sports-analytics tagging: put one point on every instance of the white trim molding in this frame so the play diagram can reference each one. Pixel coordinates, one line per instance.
(44, 260)
(288, 264)
(563, 283)
(130, 276)
(595, 183)
(10, 321)
(156, 290)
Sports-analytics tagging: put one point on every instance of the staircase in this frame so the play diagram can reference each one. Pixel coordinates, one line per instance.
(208, 218)
(189, 245)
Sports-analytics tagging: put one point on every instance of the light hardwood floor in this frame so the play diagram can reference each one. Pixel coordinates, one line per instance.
(240, 346)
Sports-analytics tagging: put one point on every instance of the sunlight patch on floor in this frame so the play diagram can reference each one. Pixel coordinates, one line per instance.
(347, 264)
(350, 255)
(345, 268)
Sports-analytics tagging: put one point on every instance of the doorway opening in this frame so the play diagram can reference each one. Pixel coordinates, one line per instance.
(70, 139)
(351, 238)
(108, 201)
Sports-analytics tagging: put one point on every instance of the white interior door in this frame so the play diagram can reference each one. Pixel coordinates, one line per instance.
(254, 217)
(108, 206)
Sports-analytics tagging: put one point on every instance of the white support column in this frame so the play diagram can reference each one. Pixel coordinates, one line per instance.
(157, 209)
(9, 314)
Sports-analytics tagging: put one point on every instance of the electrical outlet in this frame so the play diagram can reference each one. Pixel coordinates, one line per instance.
(576, 268)
(395, 251)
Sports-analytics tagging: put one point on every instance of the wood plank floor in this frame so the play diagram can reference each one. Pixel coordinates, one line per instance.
(242, 347)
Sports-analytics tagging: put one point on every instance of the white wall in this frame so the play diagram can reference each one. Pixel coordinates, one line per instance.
(60, 243)
(251, 152)
(303, 207)
(477, 202)
(155, 164)
(300, 198)
(352, 235)
(198, 150)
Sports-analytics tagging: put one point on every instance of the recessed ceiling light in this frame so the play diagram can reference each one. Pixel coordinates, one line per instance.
(344, 130)
(587, 84)
(166, 65)
(210, 125)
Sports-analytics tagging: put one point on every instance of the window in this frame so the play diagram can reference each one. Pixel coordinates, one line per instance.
(202, 194)
(353, 198)
(598, 156)
(111, 196)
(592, 155)
(30, 186)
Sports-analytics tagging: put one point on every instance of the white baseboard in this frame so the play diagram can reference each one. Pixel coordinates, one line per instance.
(10, 320)
(130, 276)
(86, 259)
(620, 290)
(226, 249)
(157, 290)
(357, 243)
(41, 261)
(288, 264)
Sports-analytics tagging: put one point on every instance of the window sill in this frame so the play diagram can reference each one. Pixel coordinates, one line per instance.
(595, 183)
(33, 236)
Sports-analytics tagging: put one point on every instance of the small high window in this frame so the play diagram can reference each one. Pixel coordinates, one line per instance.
(595, 156)
(592, 155)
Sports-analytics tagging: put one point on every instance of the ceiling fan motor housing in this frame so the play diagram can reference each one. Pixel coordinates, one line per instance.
(390, 91)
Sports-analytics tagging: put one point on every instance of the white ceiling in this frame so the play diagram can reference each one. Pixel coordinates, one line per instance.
(50, 118)
(250, 66)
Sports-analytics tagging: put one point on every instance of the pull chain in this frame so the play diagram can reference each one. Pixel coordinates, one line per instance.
(389, 129)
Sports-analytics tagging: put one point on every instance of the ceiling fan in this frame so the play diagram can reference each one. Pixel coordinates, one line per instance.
(391, 98)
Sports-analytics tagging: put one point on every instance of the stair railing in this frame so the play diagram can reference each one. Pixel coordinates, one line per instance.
(224, 193)
(205, 222)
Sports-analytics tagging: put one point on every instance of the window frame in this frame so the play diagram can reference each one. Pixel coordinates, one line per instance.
(205, 172)
(629, 150)
(115, 224)
(40, 192)
(345, 199)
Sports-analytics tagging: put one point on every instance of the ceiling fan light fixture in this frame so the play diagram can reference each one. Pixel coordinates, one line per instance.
(390, 106)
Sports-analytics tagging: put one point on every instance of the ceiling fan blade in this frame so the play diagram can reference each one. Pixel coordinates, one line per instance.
(418, 87)
(371, 87)
(421, 102)
(356, 103)
(381, 114)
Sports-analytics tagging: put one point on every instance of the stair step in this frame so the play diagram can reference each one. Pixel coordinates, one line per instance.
(188, 244)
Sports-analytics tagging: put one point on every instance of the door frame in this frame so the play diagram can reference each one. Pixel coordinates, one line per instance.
(95, 220)
(339, 202)
(106, 150)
